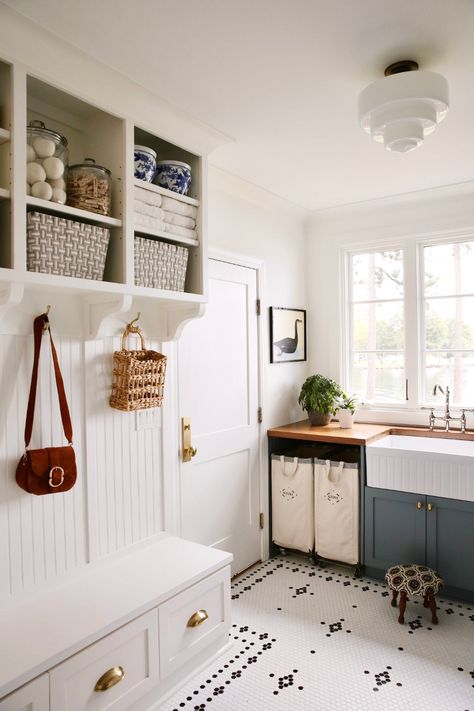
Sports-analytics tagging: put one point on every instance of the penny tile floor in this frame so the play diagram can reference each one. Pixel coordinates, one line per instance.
(316, 638)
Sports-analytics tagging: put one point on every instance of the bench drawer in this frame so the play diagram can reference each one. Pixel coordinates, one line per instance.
(193, 619)
(126, 661)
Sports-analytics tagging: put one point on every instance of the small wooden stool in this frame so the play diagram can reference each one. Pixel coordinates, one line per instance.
(417, 580)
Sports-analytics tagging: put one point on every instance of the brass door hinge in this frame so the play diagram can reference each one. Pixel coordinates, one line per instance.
(262, 520)
(258, 307)
(259, 415)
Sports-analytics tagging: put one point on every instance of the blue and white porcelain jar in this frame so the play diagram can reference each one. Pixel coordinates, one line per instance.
(145, 163)
(173, 175)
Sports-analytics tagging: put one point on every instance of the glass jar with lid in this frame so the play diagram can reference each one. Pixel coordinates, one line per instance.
(89, 187)
(47, 158)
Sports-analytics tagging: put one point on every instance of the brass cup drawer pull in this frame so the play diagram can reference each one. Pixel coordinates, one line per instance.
(197, 619)
(110, 678)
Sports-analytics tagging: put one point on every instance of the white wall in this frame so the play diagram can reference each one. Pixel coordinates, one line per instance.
(442, 210)
(249, 221)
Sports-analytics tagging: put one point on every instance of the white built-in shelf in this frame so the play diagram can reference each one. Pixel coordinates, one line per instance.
(167, 193)
(56, 208)
(4, 194)
(149, 232)
(4, 135)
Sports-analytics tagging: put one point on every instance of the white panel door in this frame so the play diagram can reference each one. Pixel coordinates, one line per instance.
(218, 390)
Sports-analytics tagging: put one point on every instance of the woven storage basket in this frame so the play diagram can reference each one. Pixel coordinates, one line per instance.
(160, 265)
(65, 247)
(138, 378)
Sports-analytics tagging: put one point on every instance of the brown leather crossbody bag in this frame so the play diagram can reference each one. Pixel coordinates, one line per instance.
(51, 470)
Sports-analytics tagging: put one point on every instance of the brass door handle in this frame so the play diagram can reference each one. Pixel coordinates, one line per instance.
(109, 679)
(430, 507)
(188, 450)
(197, 619)
(419, 505)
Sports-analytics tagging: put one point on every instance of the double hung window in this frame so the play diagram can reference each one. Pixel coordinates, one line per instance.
(410, 323)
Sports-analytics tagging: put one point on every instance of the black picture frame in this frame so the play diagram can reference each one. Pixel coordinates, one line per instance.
(287, 337)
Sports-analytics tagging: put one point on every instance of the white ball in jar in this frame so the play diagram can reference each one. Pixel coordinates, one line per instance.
(54, 168)
(30, 154)
(42, 190)
(35, 173)
(44, 147)
(59, 196)
(58, 183)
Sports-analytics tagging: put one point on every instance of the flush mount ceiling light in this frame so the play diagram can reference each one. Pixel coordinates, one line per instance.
(403, 107)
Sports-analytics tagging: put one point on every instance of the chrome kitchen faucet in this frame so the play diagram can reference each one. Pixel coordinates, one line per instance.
(447, 418)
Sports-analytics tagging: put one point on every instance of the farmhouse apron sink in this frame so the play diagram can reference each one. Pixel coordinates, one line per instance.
(424, 465)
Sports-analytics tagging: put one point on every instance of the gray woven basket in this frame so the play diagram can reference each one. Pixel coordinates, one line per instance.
(55, 245)
(160, 265)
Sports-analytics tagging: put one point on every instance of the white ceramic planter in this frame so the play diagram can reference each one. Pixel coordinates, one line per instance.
(346, 419)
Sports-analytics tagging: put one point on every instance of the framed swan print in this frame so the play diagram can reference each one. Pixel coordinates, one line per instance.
(287, 334)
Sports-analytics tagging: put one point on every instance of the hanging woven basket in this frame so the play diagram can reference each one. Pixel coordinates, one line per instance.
(138, 378)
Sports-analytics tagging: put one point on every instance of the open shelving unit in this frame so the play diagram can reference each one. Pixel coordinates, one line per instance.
(108, 137)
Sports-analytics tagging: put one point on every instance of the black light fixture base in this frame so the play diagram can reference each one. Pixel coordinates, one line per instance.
(405, 65)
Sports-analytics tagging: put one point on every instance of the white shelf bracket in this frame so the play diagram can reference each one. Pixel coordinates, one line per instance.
(11, 294)
(98, 309)
(179, 317)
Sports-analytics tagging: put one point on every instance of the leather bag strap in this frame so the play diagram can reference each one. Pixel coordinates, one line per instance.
(41, 323)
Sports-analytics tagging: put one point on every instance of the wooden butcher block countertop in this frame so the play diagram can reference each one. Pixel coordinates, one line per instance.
(359, 434)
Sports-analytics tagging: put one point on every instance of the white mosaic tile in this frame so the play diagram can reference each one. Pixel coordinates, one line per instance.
(311, 638)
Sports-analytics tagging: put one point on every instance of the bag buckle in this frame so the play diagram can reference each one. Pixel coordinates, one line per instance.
(51, 474)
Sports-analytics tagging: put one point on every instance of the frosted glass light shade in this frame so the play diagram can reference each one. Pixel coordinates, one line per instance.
(402, 109)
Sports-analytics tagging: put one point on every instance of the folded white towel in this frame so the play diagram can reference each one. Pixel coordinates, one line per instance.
(180, 220)
(180, 231)
(151, 222)
(147, 196)
(152, 210)
(180, 208)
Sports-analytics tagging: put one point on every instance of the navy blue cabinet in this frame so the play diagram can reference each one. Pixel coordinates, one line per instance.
(395, 529)
(402, 527)
(450, 543)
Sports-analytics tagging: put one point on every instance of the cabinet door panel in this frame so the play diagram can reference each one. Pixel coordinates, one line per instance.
(394, 528)
(31, 697)
(450, 544)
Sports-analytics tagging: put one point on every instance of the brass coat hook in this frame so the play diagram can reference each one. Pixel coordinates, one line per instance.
(46, 321)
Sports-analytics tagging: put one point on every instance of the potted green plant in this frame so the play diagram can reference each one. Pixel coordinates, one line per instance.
(346, 406)
(317, 397)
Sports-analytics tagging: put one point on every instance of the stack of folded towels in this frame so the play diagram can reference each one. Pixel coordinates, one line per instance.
(164, 214)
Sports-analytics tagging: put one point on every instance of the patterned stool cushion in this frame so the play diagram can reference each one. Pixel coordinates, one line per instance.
(414, 579)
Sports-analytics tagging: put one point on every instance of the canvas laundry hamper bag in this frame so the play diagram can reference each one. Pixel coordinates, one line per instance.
(292, 503)
(336, 505)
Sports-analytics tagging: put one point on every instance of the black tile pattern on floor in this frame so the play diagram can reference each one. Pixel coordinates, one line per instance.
(286, 609)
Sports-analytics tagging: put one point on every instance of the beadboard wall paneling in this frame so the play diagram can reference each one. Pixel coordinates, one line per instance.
(124, 462)
(42, 538)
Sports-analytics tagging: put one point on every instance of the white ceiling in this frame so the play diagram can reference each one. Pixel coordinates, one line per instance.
(282, 78)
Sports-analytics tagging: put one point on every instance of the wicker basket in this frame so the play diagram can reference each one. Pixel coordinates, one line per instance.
(138, 376)
(160, 265)
(55, 245)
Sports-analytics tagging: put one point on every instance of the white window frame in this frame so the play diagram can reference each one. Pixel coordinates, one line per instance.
(466, 237)
(414, 410)
(347, 317)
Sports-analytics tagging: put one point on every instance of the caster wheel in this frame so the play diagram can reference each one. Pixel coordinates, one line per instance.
(357, 572)
(283, 551)
(312, 560)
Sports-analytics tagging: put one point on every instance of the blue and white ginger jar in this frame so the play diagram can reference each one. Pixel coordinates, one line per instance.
(145, 163)
(173, 175)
